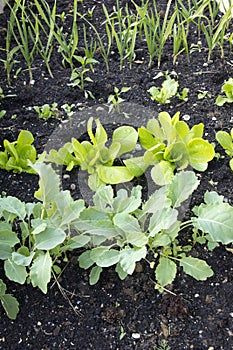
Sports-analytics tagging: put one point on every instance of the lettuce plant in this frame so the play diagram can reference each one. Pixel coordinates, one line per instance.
(226, 141)
(97, 159)
(227, 88)
(16, 154)
(170, 144)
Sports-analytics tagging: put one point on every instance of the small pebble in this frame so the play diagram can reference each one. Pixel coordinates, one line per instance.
(135, 335)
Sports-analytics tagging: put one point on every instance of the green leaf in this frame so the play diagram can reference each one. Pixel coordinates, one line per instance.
(136, 166)
(5, 251)
(127, 204)
(127, 136)
(217, 220)
(200, 151)
(196, 268)
(25, 137)
(121, 273)
(85, 260)
(114, 175)
(162, 173)
(15, 272)
(7, 236)
(40, 272)
(103, 197)
(49, 183)
(13, 205)
(49, 238)
(165, 272)
(225, 140)
(10, 305)
(95, 275)
(162, 219)
(182, 186)
(20, 259)
(129, 257)
(106, 258)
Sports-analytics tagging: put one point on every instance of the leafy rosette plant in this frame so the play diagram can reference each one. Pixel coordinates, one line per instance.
(97, 159)
(16, 154)
(170, 144)
(226, 141)
(123, 230)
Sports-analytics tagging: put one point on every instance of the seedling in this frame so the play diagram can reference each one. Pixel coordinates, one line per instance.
(170, 144)
(16, 154)
(227, 88)
(226, 141)
(78, 76)
(97, 159)
(47, 111)
(114, 99)
(168, 90)
(203, 94)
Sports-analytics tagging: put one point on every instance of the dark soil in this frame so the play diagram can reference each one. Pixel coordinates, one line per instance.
(75, 315)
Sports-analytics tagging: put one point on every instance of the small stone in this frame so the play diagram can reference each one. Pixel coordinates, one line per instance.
(135, 335)
(72, 186)
(66, 177)
(186, 117)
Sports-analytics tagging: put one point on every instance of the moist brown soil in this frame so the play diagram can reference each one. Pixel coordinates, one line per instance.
(74, 315)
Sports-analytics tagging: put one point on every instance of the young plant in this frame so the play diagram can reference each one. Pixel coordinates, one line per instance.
(16, 154)
(123, 230)
(168, 90)
(114, 99)
(47, 111)
(226, 141)
(170, 144)
(227, 88)
(43, 234)
(98, 159)
(78, 76)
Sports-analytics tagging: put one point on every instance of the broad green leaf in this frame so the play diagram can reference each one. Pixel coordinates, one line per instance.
(85, 260)
(121, 273)
(182, 129)
(103, 197)
(114, 175)
(2, 287)
(162, 219)
(13, 205)
(107, 258)
(213, 197)
(5, 251)
(168, 129)
(101, 136)
(15, 272)
(49, 238)
(77, 242)
(7, 236)
(177, 153)
(182, 186)
(48, 184)
(165, 272)
(25, 137)
(127, 136)
(196, 268)
(20, 259)
(95, 274)
(200, 151)
(146, 139)
(127, 204)
(129, 257)
(225, 140)
(217, 220)
(40, 273)
(136, 166)
(162, 173)
(10, 305)
(154, 128)
(131, 229)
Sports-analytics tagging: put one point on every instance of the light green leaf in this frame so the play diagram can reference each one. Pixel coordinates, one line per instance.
(162, 219)
(13, 205)
(114, 175)
(15, 272)
(162, 173)
(85, 260)
(200, 151)
(48, 184)
(77, 242)
(95, 275)
(5, 251)
(49, 238)
(127, 137)
(225, 140)
(103, 197)
(129, 257)
(136, 166)
(40, 272)
(196, 268)
(217, 220)
(127, 204)
(20, 259)
(7, 236)
(107, 258)
(182, 186)
(25, 137)
(121, 273)
(165, 272)
(10, 305)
